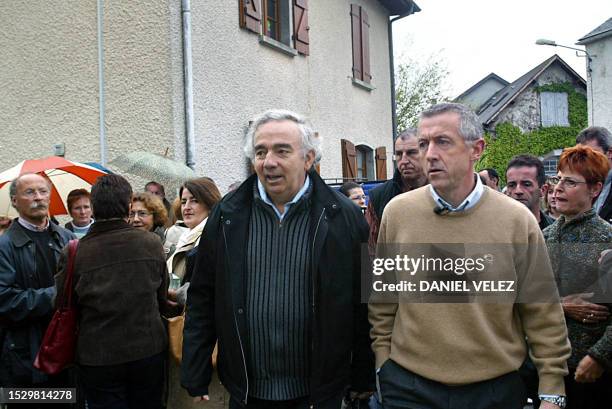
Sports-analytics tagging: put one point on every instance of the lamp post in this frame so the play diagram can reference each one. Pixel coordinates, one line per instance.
(552, 43)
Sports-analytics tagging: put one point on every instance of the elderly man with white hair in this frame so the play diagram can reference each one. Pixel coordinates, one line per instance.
(276, 282)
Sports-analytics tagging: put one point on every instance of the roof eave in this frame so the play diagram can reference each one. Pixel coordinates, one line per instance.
(592, 39)
(400, 7)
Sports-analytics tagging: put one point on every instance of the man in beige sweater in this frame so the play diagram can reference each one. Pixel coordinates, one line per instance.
(466, 355)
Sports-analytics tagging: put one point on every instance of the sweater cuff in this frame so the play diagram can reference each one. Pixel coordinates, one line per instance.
(604, 359)
(551, 384)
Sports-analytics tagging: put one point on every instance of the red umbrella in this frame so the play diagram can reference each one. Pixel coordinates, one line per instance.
(64, 176)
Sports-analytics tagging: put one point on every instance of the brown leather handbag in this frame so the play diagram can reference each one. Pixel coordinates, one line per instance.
(175, 336)
(175, 339)
(58, 346)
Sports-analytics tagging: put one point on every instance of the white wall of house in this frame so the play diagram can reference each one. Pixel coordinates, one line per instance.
(236, 78)
(49, 72)
(600, 83)
(49, 77)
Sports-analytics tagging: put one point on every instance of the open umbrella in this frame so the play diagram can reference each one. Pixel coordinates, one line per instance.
(64, 175)
(155, 167)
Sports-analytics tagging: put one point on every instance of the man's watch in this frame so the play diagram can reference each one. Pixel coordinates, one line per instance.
(554, 399)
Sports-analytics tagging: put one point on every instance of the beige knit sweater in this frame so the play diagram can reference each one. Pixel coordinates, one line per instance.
(458, 344)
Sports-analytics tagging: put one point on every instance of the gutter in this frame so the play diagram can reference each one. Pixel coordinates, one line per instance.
(188, 85)
(101, 94)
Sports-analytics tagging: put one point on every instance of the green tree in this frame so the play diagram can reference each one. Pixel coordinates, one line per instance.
(419, 84)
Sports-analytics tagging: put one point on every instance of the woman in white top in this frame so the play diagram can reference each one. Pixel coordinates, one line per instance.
(79, 206)
(198, 196)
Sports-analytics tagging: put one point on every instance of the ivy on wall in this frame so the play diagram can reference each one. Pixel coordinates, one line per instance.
(509, 140)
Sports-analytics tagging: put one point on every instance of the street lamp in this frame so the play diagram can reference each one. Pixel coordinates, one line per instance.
(544, 41)
(552, 43)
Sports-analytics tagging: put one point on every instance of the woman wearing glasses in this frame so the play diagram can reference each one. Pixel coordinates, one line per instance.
(354, 191)
(198, 197)
(575, 242)
(148, 213)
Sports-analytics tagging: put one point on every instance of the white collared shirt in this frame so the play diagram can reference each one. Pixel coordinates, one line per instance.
(32, 227)
(469, 202)
(298, 196)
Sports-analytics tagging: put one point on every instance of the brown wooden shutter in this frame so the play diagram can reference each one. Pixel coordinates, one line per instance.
(381, 163)
(365, 46)
(356, 31)
(250, 15)
(300, 26)
(349, 160)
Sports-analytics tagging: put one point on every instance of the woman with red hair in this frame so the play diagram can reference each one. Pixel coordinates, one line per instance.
(575, 242)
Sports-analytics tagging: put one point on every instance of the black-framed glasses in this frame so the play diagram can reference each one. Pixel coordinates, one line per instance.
(567, 182)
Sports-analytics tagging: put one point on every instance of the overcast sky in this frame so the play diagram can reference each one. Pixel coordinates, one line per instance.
(477, 37)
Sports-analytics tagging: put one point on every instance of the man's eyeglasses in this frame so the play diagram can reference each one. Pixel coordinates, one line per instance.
(140, 214)
(569, 183)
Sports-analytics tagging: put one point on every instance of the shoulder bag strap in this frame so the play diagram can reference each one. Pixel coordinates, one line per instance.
(72, 248)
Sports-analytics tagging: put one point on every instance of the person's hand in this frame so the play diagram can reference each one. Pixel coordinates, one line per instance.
(588, 370)
(172, 294)
(548, 405)
(201, 399)
(576, 307)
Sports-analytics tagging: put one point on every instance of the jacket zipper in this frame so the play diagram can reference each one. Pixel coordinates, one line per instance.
(246, 375)
(314, 295)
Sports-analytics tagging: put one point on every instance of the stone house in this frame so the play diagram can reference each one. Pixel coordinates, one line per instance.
(520, 103)
(598, 44)
(98, 78)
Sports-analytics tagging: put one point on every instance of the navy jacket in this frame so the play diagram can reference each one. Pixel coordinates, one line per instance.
(216, 302)
(26, 305)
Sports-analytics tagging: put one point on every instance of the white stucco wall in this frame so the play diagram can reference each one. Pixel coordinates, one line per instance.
(236, 77)
(49, 78)
(600, 83)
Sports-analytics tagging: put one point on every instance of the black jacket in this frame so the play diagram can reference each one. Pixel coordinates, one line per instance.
(340, 355)
(26, 304)
(381, 195)
(606, 210)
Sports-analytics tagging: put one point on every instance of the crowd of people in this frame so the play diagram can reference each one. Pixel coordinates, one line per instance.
(270, 279)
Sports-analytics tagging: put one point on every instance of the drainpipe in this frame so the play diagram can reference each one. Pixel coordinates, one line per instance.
(392, 72)
(188, 85)
(101, 94)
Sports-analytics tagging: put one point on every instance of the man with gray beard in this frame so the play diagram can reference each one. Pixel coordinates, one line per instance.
(29, 250)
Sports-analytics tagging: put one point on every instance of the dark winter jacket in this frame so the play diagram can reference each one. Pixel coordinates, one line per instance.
(26, 303)
(121, 285)
(379, 197)
(339, 333)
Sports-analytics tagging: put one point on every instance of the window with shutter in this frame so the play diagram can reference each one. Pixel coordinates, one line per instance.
(360, 29)
(281, 24)
(365, 162)
(554, 109)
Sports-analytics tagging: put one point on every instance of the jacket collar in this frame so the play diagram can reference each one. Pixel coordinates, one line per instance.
(20, 237)
(102, 226)
(241, 198)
